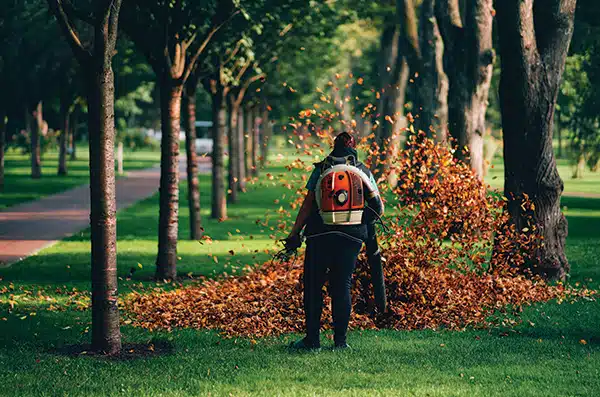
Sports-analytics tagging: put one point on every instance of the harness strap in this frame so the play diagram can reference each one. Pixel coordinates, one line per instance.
(349, 237)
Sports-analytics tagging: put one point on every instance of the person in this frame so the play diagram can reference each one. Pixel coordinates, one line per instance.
(332, 246)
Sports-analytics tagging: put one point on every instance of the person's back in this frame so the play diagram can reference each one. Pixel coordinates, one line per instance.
(341, 201)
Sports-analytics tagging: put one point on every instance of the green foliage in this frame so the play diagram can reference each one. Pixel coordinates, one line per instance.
(135, 139)
(22, 141)
(578, 108)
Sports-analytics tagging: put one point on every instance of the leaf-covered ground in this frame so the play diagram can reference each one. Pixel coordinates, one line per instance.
(451, 262)
(553, 350)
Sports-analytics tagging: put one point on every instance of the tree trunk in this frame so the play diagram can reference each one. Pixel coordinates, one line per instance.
(219, 132)
(579, 165)
(64, 133)
(36, 132)
(534, 42)
(97, 68)
(432, 82)
(189, 113)
(2, 144)
(468, 61)
(393, 73)
(241, 158)
(265, 136)
(233, 164)
(106, 335)
(396, 56)
(255, 131)
(387, 60)
(73, 134)
(249, 138)
(170, 109)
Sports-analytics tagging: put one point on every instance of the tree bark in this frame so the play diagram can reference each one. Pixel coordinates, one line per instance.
(468, 61)
(189, 113)
(96, 65)
(64, 133)
(265, 136)
(249, 140)
(105, 313)
(168, 222)
(534, 41)
(219, 132)
(36, 132)
(393, 76)
(255, 131)
(241, 157)
(234, 163)
(432, 81)
(399, 46)
(2, 144)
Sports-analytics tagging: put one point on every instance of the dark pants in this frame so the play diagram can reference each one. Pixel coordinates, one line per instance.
(374, 260)
(331, 257)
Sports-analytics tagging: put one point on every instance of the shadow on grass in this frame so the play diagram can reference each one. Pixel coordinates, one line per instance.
(129, 351)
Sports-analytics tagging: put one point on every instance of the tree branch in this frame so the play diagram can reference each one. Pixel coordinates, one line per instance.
(449, 21)
(517, 29)
(69, 31)
(207, 38)
(73, 12)
(553, 27)
(113, 23)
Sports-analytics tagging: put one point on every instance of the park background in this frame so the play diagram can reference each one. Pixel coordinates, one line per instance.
(277, 80)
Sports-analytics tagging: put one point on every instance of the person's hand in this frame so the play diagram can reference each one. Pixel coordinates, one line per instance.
(293, 241)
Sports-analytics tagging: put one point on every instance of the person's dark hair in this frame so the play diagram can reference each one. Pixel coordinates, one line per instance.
(344, 140)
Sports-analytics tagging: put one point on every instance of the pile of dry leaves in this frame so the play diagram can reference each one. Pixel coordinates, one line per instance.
(452, 260)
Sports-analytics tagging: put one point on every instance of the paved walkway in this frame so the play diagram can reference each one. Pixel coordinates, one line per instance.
(27, 228)
(581, 194)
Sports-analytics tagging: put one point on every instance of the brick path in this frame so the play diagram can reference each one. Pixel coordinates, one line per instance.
(27, 228)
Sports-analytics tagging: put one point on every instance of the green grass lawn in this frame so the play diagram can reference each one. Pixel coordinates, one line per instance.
(543, 356)
(19, 187)
(590, 183)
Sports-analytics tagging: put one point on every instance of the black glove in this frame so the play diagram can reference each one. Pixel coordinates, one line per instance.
(292, 242)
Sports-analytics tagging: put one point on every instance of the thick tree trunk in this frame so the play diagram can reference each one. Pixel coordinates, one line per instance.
(265, 136)
(468, 60)
(64, 133)
(219, 132)
(241, 157)
(189, 113)
(533, 46)
(170, 109)
(2, 144)
(255, 131)
(432, 82)
(36, 132)
(234, 163)
(106, 335)
(249, 140)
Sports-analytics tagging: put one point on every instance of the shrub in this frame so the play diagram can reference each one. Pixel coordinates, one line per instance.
(136, 139)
